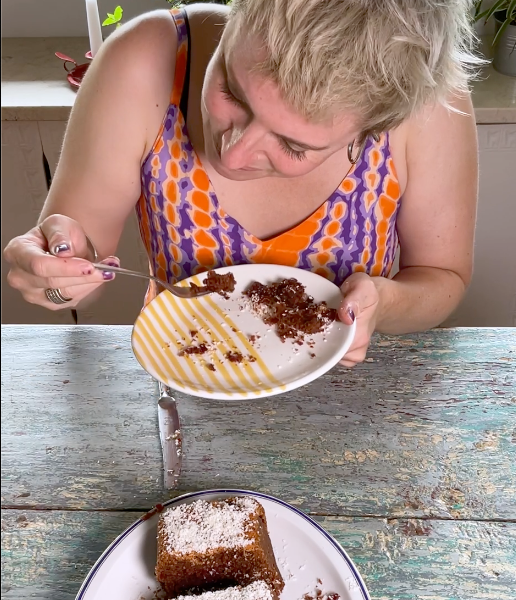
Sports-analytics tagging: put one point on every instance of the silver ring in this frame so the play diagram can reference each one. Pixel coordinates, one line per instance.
(54, 295)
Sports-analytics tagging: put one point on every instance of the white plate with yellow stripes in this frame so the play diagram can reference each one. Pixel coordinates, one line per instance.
(268, 366)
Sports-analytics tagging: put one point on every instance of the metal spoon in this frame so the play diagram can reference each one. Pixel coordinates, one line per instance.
(181, 292)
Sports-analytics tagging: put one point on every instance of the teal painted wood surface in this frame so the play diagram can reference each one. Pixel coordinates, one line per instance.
(427, 428)
(409, 459)
(47, 554)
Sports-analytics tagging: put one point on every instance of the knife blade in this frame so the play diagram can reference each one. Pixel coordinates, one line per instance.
(170, 437)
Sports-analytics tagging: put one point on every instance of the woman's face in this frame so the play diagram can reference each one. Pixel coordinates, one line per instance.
(249, 131)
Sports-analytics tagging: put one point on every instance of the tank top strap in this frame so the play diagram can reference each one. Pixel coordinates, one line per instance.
(179, 96)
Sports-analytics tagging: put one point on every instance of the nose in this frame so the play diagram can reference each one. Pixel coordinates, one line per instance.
(239, 147)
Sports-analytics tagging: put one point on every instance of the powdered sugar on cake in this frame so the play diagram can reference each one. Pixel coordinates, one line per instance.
(202, 526)
(258, 590)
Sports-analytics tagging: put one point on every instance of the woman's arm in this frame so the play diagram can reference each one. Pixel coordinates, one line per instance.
(116, 117)
(436, 222)
(436, 226)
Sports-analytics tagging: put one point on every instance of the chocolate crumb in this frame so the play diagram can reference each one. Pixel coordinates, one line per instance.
(157, 509)
(200, 349)
(234, 357)
(220, 284)
(210, 367)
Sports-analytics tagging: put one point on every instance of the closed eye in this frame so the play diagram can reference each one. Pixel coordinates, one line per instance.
(288, 150)
(294, 154)
(229, 96)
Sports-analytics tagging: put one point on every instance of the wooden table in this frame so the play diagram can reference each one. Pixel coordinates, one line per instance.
(409, 460)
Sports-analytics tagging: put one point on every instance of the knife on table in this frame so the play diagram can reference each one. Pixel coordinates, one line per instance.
(170, 437)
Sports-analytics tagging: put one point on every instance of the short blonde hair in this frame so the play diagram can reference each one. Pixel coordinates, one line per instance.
(381, 59)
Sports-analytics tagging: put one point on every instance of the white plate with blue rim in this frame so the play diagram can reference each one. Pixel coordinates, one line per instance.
(308, 557)
(168, 325)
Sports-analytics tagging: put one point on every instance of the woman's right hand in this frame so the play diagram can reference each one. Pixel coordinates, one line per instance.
(55, 255)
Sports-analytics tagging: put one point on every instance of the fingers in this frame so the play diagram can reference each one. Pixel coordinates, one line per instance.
(360, 304)
(65, 237)
(80, 291)
(28, 253)
(75, 293)
(354, 357)
(360, 293)
(20, 280)
(48, 258)
(34, 270)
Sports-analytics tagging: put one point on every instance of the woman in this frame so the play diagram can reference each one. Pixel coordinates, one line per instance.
(313, 133)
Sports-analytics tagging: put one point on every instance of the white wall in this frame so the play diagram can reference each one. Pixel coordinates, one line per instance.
(67, 18)
(63, 18)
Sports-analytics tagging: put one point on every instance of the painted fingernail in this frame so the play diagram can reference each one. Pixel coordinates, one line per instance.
(351, 314)
(61, 248)
(112, 263)
(108, 275)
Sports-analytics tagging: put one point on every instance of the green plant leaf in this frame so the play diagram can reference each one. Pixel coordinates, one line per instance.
(111, 16)
(503, 27)
(478, 6)
(511, 11)
(499, 33)
(108, 21)
(499, 5)
(119, 11)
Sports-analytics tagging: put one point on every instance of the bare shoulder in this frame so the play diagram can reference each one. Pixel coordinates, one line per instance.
(436, 130)
(143, 46)
(207, 15)
(207, 22)
(442, 127)
(436, 221)
(132, 75)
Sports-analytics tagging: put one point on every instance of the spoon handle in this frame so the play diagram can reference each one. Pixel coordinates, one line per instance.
(111, 269)
(179, 291)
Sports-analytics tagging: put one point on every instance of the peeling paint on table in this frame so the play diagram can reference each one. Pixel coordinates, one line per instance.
(408, 459)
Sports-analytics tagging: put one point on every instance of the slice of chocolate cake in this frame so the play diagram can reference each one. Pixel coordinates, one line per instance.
(258, 590)
(286, 306)
(220, 542)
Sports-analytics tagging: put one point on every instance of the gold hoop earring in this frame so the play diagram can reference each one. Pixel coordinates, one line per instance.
(354, 159)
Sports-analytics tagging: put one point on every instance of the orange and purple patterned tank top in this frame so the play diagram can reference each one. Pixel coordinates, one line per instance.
(185, 230)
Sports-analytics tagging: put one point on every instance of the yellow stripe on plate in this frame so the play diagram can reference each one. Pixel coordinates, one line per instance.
(236, 383)
(164, 309)
(146, 354)
(245, 341)
(240, 368)
(167, 321)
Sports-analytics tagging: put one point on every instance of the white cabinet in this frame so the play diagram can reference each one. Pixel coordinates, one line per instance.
(26, 147)
(491, 298)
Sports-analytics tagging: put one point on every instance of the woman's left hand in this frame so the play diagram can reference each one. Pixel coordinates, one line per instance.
(361, 303)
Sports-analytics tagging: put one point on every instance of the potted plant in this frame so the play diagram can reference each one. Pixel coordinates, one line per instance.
(504, 14)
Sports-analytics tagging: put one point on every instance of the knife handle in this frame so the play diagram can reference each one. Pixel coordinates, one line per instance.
(164, 390)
